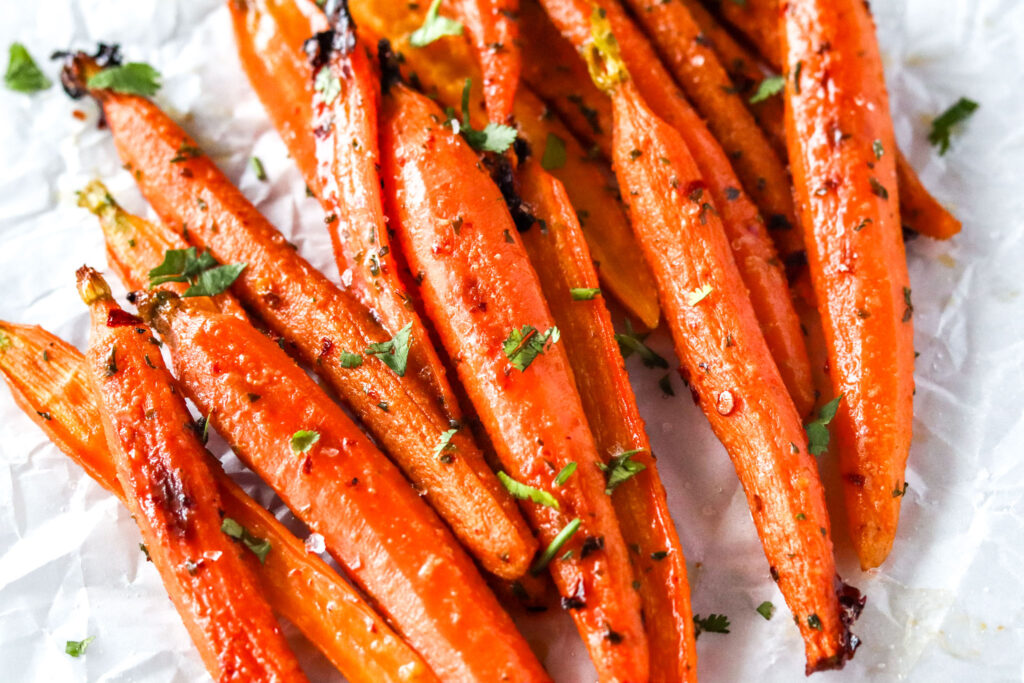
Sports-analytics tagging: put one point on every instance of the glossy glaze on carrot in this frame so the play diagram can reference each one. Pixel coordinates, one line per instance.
(163, 469)
(323, 323)
(843, 155)
(493, 28)
(47, 377)
(560, 256)
(478, 288)
(389, 541)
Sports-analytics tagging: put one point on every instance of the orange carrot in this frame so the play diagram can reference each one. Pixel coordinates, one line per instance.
(443, 68)
(330, 329)
(560, 257)
(724, 355)
(47, 377)
(919, 209)
(758, 21)
(493, 28)
(486, 304)
(283, 425)
(754, 253)
(843, 154)
(170, 490)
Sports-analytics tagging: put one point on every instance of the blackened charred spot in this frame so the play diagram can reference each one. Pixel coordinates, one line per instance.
(591, 544)
(72, 75)
(390, 71)
(851, 604)
(578, 599)
(855, 479)
(504, 178)
(171, 495)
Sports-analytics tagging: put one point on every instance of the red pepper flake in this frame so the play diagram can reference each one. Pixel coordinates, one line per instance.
(78, 114)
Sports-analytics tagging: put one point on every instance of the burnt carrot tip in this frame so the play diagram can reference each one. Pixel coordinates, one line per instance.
(79, 67)
(91, 286)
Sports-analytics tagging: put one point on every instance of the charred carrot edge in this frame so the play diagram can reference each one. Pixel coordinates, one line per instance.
(560, 257)
(168, 486)
(478, 289)
(754, 252)
(493, 28)
(724, 355)
(46, 376)
(325, 324)
(846, 188)
(443, 68)
(336, 480)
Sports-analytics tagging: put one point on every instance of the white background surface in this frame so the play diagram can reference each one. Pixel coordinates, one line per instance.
(947, 606)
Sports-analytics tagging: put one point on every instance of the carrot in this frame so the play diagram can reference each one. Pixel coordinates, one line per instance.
(47, 377)
(488, 309)
(330, 329)
(919, 209)
(570, 286)
(170, 490)
(842, 151)
(754, 253)
(724, 355)
(758, 21)
(444, 67)
(283, 426)
(493, 28)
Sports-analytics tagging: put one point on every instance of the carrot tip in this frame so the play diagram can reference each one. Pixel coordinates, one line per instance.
(91, 286)
(96, 198)
(156, 307)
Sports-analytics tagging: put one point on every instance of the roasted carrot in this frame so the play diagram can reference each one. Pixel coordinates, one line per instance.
(283, 425)
(170, 490)
(493, 28)
(724, 355)
(919, 209)
(486, 304)
(753, 251)
(843, 155)
(47, 377)
(444, 67)
(560, 257)
(330, 329)
(758, 21)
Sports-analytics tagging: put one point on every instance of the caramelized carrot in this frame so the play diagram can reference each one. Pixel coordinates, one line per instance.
(487, 306)
(47, 377)
(842, 151)
(560, 257)
(333, 478)
(443, 68)
(758, 21)
(170, 490)
(331, 330)
(725, 357)
(919, 209)
(493, 28)
(754, 253)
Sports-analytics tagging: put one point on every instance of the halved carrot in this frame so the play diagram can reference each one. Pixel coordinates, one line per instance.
(47, 377)
(753, 250)
(724, 355)
(324, 323)
(842, 152)
(443, 68)
(283, 425)
(560, 257)
(487, 306)
(169, 488)
(493, 28)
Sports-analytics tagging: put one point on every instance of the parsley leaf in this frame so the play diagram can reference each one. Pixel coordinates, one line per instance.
(434, 27)
(303, 440)
(556, 544)
(772, 85)
(133, 78)
(213, 281)
(713, 623)
(394, 352)
(493, 138)
(259, 546)
(524, 345)
(942, 126)
(526, 492)
(349, 360)
(766, 609)
(23, 75)
(446, 442)
(621, 468)
(565, 473)
(257, 167)
(817, 430)
(584, 293)
(202, 272)
(77, 648)
(630, 343)
(554, 153)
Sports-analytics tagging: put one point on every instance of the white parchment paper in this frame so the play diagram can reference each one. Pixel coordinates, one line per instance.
(947, 606)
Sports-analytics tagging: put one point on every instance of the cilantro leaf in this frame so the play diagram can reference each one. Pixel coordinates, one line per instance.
(23, 74)
(527, 492)
(584, 293)
(621, 468)
(259, 546)
(213, 281)
(133, 78)
(77, 648)
(556, 544)
(772, 85)
(303, 440)
(394, 352)
(943, 125)
(493, 138)
(202, 272)
(817, 430)
(766, 609)
(630, 343)
(524, 345)
(434, 27)
(554, 153)
(713, 623)
(565, 473)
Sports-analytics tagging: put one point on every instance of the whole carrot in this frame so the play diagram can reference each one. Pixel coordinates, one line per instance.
(842, 152)
(487, 306)
(493, 28)
(168, 485)
(283, 425)
(725, 357)
(330, 329)
(560, 256)
(47, 377)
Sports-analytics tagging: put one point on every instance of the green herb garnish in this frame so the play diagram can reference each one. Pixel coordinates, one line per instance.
(945, 123)
(631, 342)
(23, 74)
(713, 623)
(565, 473)
(584, 293)
(202, 272)
(522, 346)
(770, 86)
(133, 78)
(77, 648)
(621, 468)
(395, 352)
(766, 609)
(434, 27)
(303, 440)
(556, 544)
(493, 138)
(527, 492)
(260, 547)
(554, 153)
(817, 430)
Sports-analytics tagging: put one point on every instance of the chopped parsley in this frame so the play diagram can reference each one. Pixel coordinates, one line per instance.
(766, 609)
(565, 473)
(899, 492)
(814, 622)
(946, 122)
(23, 74)
(303, 440)
(554, 153)
(394, 353)
(522, 346)
(770, 86)
(77, 648)
(584, 293)
(526, 492)
(446, 443)
(621, 468)
(349, 360)
(260, 547)
(713, 623)
(817, 430)
(133, 78)
(202, 272)
(630, 343)
(257, 167)
(434, 27)
(556, 544)
(493, 138)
